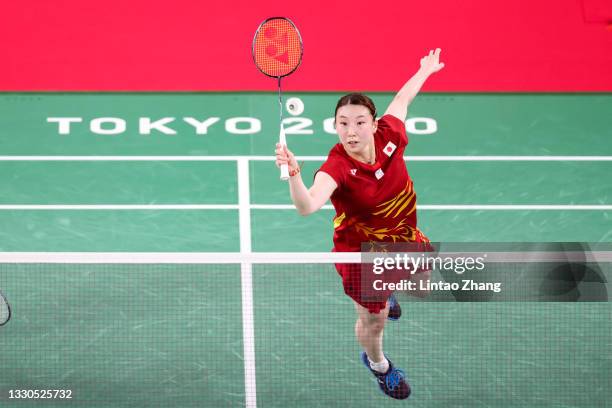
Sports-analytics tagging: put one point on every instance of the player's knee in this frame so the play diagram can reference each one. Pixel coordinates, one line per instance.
(374, 323)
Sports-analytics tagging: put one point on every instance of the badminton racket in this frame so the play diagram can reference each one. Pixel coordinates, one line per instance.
(277, 52)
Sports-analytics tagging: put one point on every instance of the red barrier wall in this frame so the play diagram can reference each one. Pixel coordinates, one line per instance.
(189, 45)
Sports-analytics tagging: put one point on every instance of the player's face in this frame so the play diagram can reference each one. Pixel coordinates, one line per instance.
(355, 126)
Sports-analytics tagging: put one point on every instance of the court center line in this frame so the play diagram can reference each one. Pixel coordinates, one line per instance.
(246, 284)
(243, 208)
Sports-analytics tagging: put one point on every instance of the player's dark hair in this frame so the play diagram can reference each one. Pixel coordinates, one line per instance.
(356, 99)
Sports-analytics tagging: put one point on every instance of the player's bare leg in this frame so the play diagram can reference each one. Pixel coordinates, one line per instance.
(369, 331)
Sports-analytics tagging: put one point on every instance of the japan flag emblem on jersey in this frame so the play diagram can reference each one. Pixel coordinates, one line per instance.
(389, 149)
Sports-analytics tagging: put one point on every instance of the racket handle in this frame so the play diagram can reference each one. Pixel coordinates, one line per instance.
(284, 172)
(284, 169)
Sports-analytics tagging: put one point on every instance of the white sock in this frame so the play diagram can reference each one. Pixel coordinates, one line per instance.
(381, 367)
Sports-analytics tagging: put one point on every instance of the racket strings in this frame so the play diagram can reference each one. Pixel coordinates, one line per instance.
(277, 47)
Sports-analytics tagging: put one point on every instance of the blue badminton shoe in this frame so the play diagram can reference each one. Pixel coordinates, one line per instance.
(393, 382)
(395, 311)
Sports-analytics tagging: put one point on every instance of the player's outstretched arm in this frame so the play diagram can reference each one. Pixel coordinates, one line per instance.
(429, 65)
(306, 200)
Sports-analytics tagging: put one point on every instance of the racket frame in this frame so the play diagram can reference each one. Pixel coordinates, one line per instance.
(5, 304)
(301, 46)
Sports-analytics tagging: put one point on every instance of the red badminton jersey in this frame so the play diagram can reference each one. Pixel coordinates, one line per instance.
(374, 203)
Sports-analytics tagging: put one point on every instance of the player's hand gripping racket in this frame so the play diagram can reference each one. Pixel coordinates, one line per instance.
(5, 310)
(277, 52)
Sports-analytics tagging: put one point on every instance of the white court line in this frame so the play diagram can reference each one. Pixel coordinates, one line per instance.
(471, 207)
(514, 207)
(508, 158)
(178, 257)
(246, 284)
(240, 207)
(70, 207)
(300, 158)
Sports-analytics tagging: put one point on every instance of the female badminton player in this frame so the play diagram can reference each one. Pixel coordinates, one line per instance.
(367, 181)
